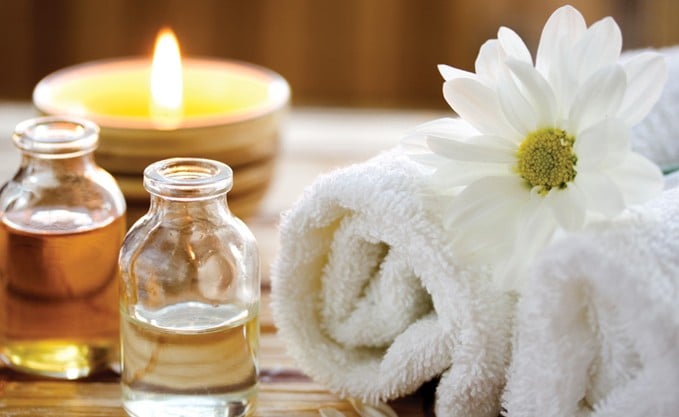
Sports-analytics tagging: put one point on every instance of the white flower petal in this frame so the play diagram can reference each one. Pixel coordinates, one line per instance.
(563, 28)
(415, 143)
(599, 47)
(456, 173)
(483, 209)
(563, 82)
(471, 151)
(536, 227)
(555, 55)
(535, 230)
(450, 73)
(513, 45)
(518, 111)
(416, 147)
(427, 158)
(492, 238)
(447, 127)
(486, 193)
(638, 179)
(605, 143)
(495, 141)
(479, 106)
(598, 98)
(646, 76)
(567, 206)
(601, 194)
(489, 61)
(536, 90)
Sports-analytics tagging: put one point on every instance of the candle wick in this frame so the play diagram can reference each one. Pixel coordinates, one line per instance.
(165, 118)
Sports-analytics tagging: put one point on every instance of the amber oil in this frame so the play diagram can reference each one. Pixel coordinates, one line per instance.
(59, 292)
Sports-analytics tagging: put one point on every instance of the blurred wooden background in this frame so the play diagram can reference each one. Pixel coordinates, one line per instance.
(333, 52)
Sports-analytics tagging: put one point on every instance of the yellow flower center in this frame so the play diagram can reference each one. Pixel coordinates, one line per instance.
(546, 159)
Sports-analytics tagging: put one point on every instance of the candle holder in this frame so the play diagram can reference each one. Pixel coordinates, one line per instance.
(232, 113)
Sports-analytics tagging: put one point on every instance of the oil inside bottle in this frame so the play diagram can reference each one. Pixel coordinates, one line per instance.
(59, 291)
(191, 359)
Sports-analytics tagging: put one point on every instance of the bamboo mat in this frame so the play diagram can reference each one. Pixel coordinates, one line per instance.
(314, 141)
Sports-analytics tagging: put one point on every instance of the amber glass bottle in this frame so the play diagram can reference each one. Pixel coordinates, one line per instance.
(62, 220)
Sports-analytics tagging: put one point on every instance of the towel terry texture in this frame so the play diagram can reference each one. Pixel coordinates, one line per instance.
(597, 332)
(655, 136)
(370, 303)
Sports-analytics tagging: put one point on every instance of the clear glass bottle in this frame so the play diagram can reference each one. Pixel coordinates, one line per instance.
(189, 298)
(62, 221)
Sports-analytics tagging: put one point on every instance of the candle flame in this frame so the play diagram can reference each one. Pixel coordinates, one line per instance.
(166, 81)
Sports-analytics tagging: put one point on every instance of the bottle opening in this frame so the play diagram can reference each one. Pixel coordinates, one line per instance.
(188, 178)
(57, 136)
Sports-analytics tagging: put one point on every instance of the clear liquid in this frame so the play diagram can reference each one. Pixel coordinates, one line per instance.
(59, 292)
(190, 359)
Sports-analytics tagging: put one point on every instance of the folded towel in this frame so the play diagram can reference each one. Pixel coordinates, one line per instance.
(655, 136)
(370, 304)
(597, 331)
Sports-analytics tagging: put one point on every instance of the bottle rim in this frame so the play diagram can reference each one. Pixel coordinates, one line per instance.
(56, 136)
(188, 179)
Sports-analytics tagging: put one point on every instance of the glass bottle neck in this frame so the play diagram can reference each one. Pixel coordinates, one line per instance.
(72, 165)
(171, 210)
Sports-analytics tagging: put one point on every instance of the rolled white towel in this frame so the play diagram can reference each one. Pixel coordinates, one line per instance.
(597, 331)
(369, 302)
(657, 135)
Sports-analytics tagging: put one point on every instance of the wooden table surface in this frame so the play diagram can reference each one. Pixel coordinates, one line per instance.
(314, 141)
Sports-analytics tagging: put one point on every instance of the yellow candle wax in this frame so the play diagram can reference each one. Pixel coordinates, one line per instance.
(116, 93)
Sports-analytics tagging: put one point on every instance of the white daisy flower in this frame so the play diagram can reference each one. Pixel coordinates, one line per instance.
(540, 148)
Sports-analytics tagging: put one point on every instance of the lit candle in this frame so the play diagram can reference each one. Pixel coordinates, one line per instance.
(149, 110)
(167, 83)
